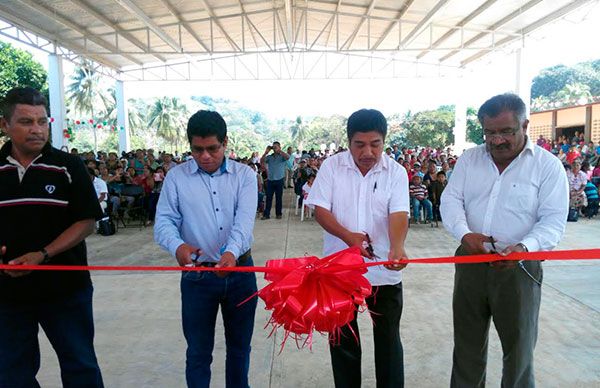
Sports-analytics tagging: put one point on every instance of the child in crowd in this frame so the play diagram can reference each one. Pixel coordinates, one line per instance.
(436, 189)
(418, 198)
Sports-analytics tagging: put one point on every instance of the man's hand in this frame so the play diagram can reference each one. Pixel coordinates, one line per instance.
(473, 243)
(268, 149)
(227, 260)
(396, 255)
(31, 258)
(184, 254)
(508, 264)
(359, 240)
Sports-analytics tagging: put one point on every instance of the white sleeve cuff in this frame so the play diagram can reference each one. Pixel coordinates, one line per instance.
(531, 244)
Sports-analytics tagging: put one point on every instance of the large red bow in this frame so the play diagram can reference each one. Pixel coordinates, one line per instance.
(310, 294)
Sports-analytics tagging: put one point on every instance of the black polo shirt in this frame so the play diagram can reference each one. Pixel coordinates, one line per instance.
(54, 192)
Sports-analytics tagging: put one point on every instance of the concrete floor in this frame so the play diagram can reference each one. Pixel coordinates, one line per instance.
(139, 341)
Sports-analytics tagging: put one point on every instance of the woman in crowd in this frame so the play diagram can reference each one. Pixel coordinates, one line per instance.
(577, 182)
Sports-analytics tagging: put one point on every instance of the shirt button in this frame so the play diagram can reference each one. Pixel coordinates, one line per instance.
(214, 192)
(217, 209)
(221, 228)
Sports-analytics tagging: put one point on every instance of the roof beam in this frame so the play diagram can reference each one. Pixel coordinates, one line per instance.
(494, 26)
(337, 8)
(422, 24)
(460, 24)
(185, 24)
(366, 15)
(559, 13)
(140, 15)
(69, 24)
(289, 14)
(216, 20)
(125, 34)
(9, 16)
(387, 31)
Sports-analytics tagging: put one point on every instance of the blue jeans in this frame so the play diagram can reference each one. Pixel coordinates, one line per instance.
(426, 205)
(274, 187)
(201, 295)
(69, 325)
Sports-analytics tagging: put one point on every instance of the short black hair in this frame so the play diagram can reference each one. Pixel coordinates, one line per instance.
(276, 142)
(501, 103)
(21, 95)
(366, 120)
(441, 173)
(206, 123)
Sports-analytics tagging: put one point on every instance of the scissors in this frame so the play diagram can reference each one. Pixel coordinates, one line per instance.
(369, 247)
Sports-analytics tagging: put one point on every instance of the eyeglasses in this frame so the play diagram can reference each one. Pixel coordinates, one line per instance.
(213, 149)
(504, 133)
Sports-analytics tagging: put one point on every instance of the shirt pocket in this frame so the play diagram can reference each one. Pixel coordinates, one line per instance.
(522, 198)
(381, 203)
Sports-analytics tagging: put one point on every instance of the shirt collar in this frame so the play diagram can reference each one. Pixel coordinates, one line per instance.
(383, 163)
(225, 167)
(7, 148)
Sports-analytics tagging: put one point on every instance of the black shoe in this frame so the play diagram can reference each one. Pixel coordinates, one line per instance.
(279, 216)
(265, 218)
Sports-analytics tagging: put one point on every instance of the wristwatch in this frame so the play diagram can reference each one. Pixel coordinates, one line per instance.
(46, 256)
(523, 247)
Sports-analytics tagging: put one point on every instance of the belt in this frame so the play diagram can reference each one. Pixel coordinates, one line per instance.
(242, 260)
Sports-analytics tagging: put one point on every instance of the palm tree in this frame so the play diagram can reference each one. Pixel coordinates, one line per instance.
(167, 115)
(299, 133)
(85, 94)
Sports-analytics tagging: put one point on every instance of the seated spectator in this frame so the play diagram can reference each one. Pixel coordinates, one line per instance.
(152, 198)
(104, 174)
(431, 174)
(417, 170)
(577, 181)
(591, 193)
(436, 189)
(561, 155)
(112, 163)
(168, 162)
(418, 198)
(307, 186)
(573, 155)
(585, 167)
(101, 189)
(409, 172)
(596, 174)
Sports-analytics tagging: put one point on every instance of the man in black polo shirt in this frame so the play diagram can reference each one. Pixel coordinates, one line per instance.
(47, 208)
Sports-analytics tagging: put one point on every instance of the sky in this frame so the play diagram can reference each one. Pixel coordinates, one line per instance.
(566, 41)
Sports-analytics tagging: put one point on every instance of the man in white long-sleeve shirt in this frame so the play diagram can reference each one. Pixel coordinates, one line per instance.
(507, 195)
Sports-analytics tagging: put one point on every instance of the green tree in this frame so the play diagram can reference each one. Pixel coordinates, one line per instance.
(18, 68)
(474, 129)
(432, 128)
(168, 116)
(85, 95)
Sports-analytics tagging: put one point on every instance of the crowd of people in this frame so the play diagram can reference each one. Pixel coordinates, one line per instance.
(428, 170)
(502, 198)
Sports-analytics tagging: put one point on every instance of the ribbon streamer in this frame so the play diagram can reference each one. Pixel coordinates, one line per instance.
(309, 294)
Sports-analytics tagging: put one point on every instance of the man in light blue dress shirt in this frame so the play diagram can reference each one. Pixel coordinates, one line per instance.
(205, 217)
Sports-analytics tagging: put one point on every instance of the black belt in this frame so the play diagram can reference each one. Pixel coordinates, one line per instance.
(242, 260)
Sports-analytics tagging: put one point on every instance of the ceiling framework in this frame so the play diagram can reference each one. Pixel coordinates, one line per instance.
(277, 39)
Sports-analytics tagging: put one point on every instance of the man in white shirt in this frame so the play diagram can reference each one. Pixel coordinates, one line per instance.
(507, 195)
(101, 189)
(361, 198)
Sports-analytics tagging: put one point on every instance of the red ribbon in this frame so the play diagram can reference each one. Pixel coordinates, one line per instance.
(309, 294)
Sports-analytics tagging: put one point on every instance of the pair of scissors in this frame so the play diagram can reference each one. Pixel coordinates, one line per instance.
(369, 247)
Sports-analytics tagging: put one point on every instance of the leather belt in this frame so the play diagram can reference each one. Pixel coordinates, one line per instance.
(242, 260)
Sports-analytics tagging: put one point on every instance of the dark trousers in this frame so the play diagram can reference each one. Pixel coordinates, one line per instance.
(385, 306)
(69, 325)
(274, 187)
(511, 299)
(201, 295)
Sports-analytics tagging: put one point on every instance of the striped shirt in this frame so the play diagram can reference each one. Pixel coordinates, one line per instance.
(417, 191)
